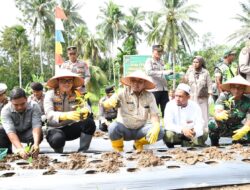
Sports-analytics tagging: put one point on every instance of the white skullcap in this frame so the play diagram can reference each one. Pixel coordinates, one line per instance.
(3, 88)
(184, 87)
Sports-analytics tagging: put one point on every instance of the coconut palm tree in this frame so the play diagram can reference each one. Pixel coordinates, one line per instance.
(174, 27)
(132, 27)
(93, 47)
(110, 26)
(81, 33)
(39, 13)
(74, 19)
(153, 31)
(20, 35)
(244, 18)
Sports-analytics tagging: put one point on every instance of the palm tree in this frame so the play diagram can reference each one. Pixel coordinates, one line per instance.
(132, 27)
(40, 14)
(74, 19)
(110, 26)
(174, 29)
(81, 33)
(93, 47)
(244, 18)
(153, 33)
(20, 36)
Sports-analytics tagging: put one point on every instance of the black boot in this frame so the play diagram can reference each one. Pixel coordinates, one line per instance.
(85, 141)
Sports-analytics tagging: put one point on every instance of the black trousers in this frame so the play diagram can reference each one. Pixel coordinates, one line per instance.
(161, 98)
(57, 137)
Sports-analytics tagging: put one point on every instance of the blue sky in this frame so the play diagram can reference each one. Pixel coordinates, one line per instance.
(216, 15)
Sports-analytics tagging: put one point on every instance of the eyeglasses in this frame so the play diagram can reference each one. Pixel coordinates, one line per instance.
(64, 81)
(72, 53)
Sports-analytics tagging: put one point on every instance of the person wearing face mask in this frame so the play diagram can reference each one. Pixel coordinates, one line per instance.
(155, 69)
(232, 112)
(135, 106)
(183, 120)
(198, 78)
(21, 123)
(68, 114)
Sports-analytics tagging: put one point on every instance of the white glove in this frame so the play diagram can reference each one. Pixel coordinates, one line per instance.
(210, 100)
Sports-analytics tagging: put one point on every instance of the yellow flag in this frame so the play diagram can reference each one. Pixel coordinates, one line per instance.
(58, 48)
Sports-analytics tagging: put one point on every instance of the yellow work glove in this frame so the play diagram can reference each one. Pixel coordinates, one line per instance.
(110, 103)
(222, 115)
(71, 115)
(153, 133)
(239, 133)
(34, 151)
(84, 113)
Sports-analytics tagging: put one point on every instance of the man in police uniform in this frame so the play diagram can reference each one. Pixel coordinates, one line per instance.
(155, 69)
(244, 60)
(232, 111)
(67, 114)
(105, 115)
(225, 70)
(76, 66)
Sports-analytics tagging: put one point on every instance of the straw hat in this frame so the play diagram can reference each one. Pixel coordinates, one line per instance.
(63, 73)
(139, 75)
(236, 80)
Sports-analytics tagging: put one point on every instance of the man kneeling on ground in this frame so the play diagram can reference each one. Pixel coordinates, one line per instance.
(183, 120)
(135, 105)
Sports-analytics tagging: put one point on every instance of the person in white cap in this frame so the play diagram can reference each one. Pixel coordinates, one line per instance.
(183, 120)
(135, 106)
(232, 112)
(3, 97)
(68, 115)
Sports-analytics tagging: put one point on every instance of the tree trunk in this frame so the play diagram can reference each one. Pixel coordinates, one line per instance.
(40, 47)
(174, 62)
(20, 68)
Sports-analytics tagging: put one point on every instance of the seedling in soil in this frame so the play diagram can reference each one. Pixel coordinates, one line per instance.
(28, 150)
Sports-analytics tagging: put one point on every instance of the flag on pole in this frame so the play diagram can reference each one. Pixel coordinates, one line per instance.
(59, 36)
(59, 15)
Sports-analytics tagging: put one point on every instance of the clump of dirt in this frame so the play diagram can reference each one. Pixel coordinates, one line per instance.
(77, 161)
(11, 158)
(4, 166)
(176, 151)
(111, 155)
(245, 153)
(41, 162)
(215, 153)
(237, 147)
(147, 159)
(112, 161)
(190, 157)
(99, 134)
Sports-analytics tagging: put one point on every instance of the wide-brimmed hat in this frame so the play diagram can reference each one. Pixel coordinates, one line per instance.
(236, 80)
(140, 75)
(63, 73)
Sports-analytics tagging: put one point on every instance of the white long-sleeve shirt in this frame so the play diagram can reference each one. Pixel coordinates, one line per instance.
(176, 117)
